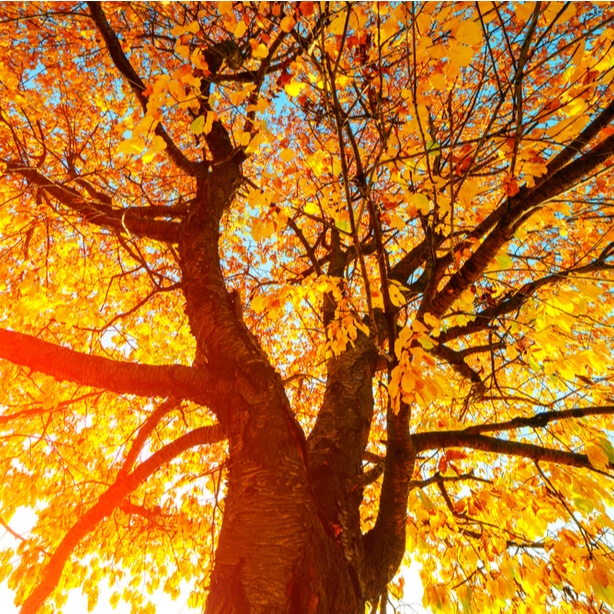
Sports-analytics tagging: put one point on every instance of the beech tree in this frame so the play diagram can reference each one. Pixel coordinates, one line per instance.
(293, 290)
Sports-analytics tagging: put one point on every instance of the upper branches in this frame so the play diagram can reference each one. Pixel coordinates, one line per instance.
(194, 169)
(516, 212)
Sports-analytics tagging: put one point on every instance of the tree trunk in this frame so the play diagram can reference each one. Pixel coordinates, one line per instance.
(276, 553)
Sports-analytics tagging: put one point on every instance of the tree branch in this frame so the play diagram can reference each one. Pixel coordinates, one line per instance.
(540, 419)
(515, 300)
(101, 213)
(385, 543)
(113, 375)
(145, 431)
(457, 361)
(194, 169)
(461, 439)
(575, 147)
(520, 208)
(115, 494)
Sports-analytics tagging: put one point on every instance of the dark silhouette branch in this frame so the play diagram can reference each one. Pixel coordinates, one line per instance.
(588, 134)
(461, 439)
(540, 419)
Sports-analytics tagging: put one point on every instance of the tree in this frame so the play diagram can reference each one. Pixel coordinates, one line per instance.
(292, 289)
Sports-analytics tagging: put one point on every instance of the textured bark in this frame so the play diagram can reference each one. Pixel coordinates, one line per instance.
(276, 552)
(336, 446)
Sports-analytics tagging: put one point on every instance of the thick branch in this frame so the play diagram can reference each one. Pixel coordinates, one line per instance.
(134, 220)
(195, 169)
(113, 375)
(541, 419)
(520, 208)
(385, 544)
(337, 442)
(107, 503)
(514, 301)
(461, 439)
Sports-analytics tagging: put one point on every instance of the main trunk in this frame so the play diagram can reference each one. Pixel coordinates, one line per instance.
(276, 551)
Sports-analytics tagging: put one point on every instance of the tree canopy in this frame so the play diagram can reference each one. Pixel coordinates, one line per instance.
(292, 290)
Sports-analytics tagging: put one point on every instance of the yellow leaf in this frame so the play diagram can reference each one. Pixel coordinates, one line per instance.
(596, 456)
(257, 304)
(337, 24)
(198, 125)
(193, 27)
(311, 208)
(132, 145)
(460, 55)
(396, 221)
(294, 88)
(198, 59)
(431, 321)
(396, 294)
(504, 262)
(287, 23)
(237, 97)
(240, 30)
(260, 51)
(438, 81)
(421, 202)
(468, 192)
(469, 32)
(523, 10)
(224, 7)
(183, 51)
(287, 155)
(157, 145)
(426, 342)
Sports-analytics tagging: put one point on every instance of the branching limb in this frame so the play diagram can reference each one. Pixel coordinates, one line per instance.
(541, 419)
(145, 431)
(38, 409)
(194, 169)
(113, 375)
(137, 221)
(457, 362)
(437, 478)
(520, 208)
(514, 301)
(461, 439)
(107, 503)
